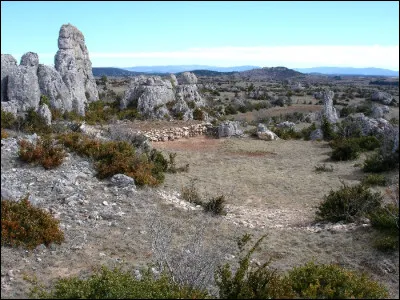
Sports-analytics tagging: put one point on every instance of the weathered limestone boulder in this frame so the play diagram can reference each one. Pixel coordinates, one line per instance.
(328, 110)
(189, 78)
(23, 87)
(45, 113)
(52, 86)
(122, 180)
(73, 63)
(379, 111)
(8, 66)
(181, 107)
(365, 126)
(228, 129)
(173, 80)
(263, 133)
(382, 97)
(189, 92)
(149, 95)
(317, 134)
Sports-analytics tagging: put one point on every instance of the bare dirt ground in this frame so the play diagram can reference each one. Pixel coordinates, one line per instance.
(272, 187)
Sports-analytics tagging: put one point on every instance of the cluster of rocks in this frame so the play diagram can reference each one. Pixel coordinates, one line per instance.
(175, 133)
(228, 129)
(158, 98)
(69, 85)
(382, 97)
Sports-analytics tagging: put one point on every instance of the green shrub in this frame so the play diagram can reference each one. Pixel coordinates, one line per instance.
(117, 157)
(387, 243)
(327, 129)
(117, 284)
(191, 194)
(230, 110)
(44, 152)
(386, 217)
(198, 114)
(7, 119)
(306, 132)
(287, 133)
(313, 281)
(368, 143)
(215, 205)
(345, 149)
(374, 179)
(25, 225)
(34, 123)
(44, 100)
(348, 204)
(249, 281)
(378, 162)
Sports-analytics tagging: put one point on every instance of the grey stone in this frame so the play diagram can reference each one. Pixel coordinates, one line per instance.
(263, 133)
(286, 124)
(228, 129)
(45, 113)
(173, 80)
(29, 59)
(329, 111)
(382, 97)
(52, 86)
(189, 78)
(8, 66)
(122, 180)
(317, 134)
(73, 63)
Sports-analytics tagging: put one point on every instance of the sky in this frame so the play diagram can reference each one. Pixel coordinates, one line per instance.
(299, 34)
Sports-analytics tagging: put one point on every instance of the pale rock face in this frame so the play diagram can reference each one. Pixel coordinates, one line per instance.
(73, 63)
(173, 80)
(263, 133)
(317, 134)
(45, 113)
(30, 59)
(189, 78)
(228, 129)
(382, 97)
(23, 88)
(8, 66)
(52, 85)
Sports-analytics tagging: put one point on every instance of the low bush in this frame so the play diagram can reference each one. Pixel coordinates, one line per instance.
(43, 152)
(306, 132)
(379, 162)
(348, 204)
(4, 134)
(191, 194)
(313, 281)
(374, 179)
(250, 281)
(215, 205)
(115, 157)
(7, 119)
(287, 133)
(198, 114)
(34, 123)
(23, 224)
(328, 130)
(116, 284)
(323, 168)
(345, 149)
(387, 243)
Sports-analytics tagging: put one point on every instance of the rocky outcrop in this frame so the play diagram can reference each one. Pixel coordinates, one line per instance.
(228, 129)
(263, 133)
(45, 113)
(52, 85)
(159, 98)
(382, 97)
(317, 134)
(8, 66)
(73, 63)
(23, 86)
(286, 124)
(379, 111)
(364, 125)
(328, 111)
(69, 86)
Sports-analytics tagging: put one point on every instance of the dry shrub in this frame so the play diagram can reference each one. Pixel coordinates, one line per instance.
(44, 152)
(28, 226)
(4, 134)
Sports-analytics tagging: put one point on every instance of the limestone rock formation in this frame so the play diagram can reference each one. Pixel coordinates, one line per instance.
(382, 97)
(317, 134)
(228, 129)
(45, 113)
(328, 110)
(286, 124)
(366, 126)
(69, 86)
(263, 133)
(73, 63)
(158, 98)
(22, 86)
(8, 66)
(52, 85)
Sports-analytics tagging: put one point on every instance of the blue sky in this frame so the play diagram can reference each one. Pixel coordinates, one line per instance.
(291, 34)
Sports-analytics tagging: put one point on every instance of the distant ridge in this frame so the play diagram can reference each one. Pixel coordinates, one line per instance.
(185, 68)
(348, 71)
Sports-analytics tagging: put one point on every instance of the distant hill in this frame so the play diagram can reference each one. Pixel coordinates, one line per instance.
(349, 71)
(275, 73)
(112, 72)
(208, 73)
(185, 68)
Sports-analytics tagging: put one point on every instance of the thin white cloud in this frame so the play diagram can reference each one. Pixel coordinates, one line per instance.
(289, 56)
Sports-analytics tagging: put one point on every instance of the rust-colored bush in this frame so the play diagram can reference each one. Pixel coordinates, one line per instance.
(25, 225)
(44, 152)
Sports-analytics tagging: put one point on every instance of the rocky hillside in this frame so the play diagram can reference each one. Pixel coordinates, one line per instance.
(274, 73)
